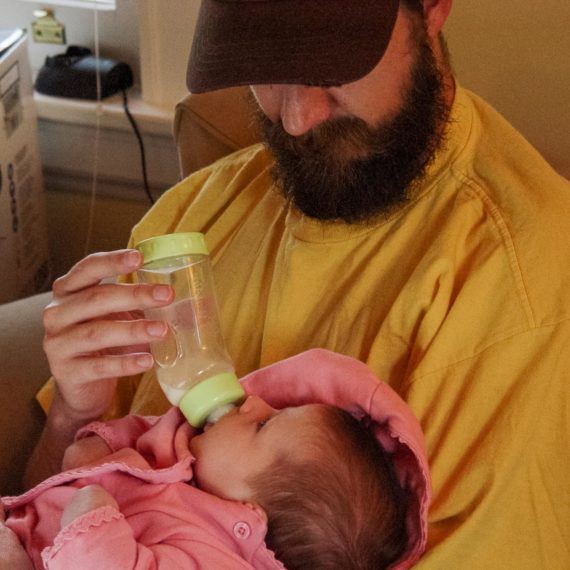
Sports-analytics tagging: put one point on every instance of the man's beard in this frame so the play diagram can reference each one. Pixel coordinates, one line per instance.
(345, 170)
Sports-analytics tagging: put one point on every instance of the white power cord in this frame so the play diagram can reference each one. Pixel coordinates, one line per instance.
(98, 115)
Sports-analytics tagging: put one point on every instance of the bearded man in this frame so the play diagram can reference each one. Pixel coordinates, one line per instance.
(390, 215)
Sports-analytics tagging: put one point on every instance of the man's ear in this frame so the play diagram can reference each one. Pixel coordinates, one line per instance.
(435, 14)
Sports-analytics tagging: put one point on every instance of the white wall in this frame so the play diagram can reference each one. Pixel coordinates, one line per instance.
(152, 36)
(165, 41)
(118, 30)
(516, 54)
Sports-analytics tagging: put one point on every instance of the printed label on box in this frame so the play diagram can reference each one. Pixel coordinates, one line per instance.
(11, 100)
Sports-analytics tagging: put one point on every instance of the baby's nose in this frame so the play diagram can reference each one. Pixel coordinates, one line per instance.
(254, 404)
(250, 403)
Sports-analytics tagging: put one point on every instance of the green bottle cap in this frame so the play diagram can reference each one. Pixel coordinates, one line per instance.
(172, 245)
(204, 398)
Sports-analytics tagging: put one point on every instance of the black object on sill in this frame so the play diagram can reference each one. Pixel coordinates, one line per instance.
(73, 74)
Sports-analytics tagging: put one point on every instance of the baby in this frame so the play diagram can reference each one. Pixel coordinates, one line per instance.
(321, 467)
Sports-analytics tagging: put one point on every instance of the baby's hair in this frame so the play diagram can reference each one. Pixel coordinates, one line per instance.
(342, 508)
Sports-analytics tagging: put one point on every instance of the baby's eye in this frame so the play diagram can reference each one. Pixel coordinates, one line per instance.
(261, 424)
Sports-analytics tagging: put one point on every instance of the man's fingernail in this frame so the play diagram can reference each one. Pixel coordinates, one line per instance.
(161, 292)
(132, 258)
(156, 329)
(144, 361)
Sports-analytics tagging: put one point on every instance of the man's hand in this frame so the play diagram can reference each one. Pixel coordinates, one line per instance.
(95, 333)
(12, 553)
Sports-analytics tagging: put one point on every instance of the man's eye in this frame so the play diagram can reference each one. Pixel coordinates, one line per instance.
(261, 424)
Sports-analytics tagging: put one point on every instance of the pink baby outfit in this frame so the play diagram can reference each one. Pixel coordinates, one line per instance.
(165, 522)
(162, 521)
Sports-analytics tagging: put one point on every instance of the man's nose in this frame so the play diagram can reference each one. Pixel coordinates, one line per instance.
(303, 107)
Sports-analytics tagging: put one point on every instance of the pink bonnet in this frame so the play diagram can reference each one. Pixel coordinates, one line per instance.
(321, 376)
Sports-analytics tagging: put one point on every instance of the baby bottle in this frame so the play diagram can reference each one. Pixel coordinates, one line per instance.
(192, 365)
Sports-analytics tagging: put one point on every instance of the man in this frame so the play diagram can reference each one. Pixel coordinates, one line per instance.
(395, 218)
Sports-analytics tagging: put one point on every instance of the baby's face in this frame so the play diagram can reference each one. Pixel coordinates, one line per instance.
(246, 441)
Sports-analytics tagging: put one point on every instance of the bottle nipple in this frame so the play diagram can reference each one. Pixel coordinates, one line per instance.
(219, 413)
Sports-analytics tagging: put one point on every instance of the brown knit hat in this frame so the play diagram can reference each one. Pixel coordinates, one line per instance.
(310, 42)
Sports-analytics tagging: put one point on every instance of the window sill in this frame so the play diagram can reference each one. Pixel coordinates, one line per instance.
(66, 130)
(150, 119)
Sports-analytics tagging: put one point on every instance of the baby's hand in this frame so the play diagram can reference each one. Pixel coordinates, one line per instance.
(85, 500)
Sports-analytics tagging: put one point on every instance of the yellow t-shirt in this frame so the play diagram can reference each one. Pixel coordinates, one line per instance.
(460, 301)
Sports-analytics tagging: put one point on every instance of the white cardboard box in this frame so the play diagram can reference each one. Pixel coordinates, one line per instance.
(24, 261)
